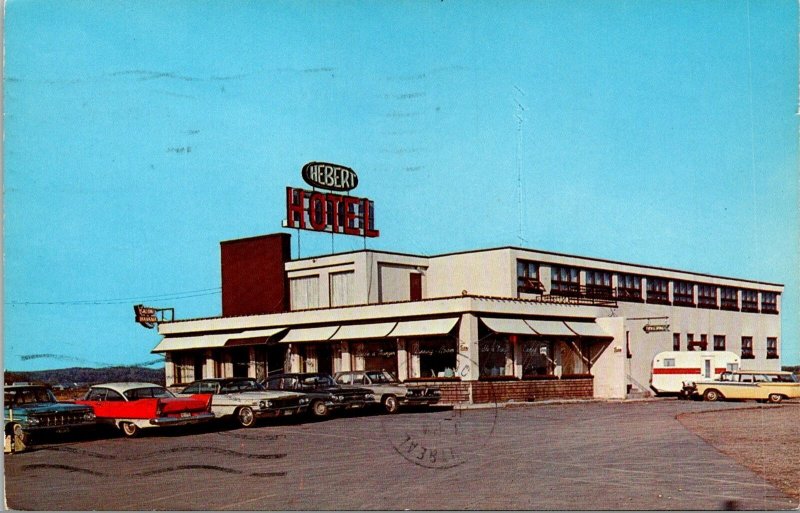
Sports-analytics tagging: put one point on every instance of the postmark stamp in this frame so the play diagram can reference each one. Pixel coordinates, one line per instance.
(445, 437)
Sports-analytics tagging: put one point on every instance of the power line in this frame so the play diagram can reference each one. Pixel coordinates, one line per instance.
(161, 297)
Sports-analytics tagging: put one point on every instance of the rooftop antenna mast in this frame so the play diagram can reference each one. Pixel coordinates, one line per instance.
(520, 109)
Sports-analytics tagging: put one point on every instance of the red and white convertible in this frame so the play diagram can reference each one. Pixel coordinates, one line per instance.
(134, 406)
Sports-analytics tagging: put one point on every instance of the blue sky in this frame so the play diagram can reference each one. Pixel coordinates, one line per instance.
(140, 134)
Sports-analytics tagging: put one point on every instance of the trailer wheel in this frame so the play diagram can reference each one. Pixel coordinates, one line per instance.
(712, 395)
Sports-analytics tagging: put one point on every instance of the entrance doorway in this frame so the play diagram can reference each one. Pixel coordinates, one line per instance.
(241, 361)
(324, 358)
(276, 356)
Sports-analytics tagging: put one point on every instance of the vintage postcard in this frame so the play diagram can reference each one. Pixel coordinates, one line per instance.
(429, 255)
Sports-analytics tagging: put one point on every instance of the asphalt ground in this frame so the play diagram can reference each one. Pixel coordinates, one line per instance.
(577, 456)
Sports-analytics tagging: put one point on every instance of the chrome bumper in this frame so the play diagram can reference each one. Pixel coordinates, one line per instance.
(181, 421)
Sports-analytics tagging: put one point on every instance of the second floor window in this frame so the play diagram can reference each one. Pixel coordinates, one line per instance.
(719, 342)
(629, 286)
(707, 296)
(528, 277)
(749, 300)
(729, 298)
(598, 283)
(747, 347)
(772, 347)
(769, 302)
(683, 293)
(657, 290)
(565, 280)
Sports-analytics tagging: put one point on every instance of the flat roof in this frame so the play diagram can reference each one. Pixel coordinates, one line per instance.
(552, 253)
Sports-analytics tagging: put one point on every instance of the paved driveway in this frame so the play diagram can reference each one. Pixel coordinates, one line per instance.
(573, 456)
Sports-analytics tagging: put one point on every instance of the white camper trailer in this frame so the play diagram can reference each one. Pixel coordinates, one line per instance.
(672, 368)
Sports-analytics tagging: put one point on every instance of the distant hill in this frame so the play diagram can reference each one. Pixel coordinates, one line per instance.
(87, 375)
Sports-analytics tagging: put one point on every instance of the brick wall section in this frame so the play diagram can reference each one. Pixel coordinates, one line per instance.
(504, 391)
(454, 393)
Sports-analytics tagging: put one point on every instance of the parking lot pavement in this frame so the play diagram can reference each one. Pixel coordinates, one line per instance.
(579, 456)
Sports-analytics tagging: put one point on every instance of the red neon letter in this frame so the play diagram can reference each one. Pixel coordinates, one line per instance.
(350, 215)
(333, 211)
(369, 222)
(295, 209)
(316, 212)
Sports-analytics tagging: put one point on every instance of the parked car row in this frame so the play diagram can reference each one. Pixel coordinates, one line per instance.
(131, 407)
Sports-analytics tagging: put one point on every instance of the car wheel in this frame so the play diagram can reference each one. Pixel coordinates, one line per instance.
(245, 417)
(319, 409)
(390, 404)
(129, 429)
(775, 398)
(712, 395)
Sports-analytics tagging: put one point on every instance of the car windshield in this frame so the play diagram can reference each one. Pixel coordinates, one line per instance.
(147, 393)
(16, 397)
(381, 377)
(245, 385)
(317, 381)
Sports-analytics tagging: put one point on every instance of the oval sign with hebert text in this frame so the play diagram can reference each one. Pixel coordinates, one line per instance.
(330, 176)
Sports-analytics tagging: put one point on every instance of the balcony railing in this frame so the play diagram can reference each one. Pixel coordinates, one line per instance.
(624, 294)
(580, 295)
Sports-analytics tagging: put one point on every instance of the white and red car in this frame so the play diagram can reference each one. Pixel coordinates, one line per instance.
(135, 406)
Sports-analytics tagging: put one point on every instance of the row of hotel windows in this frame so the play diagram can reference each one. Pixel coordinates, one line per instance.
(565, 281)
(719, 344)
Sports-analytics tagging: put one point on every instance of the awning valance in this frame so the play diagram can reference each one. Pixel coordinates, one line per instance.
(362, 331)
(509, 326)
(183, 343)
(587, 329)
(423, 328)
(252, 337)
(268, 332)
(319, 334)
(551, 328)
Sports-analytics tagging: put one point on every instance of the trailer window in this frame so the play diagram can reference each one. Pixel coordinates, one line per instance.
(669, 362)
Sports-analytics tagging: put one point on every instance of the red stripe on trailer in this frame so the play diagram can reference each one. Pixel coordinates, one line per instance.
(677, 370)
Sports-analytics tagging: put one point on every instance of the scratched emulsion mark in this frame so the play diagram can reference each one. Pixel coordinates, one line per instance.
(145, 473)
(255, 437)
(173, 450)
(443, 440)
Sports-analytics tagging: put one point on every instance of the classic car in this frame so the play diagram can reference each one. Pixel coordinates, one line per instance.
(135, 406)
(29, 409)
(771, 386)
(246, 400)
(389, 392)
(322, 391)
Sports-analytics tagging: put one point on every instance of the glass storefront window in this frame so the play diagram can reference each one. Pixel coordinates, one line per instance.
(380, 356)
(437, 358)
(495, 357)
(537, 358)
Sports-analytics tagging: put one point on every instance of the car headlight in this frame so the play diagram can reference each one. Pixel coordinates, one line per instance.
(89, 415)
(262, 404)
(304, 400)
(369, 397)
(32, 421)
(339, 398)
(269, 404)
